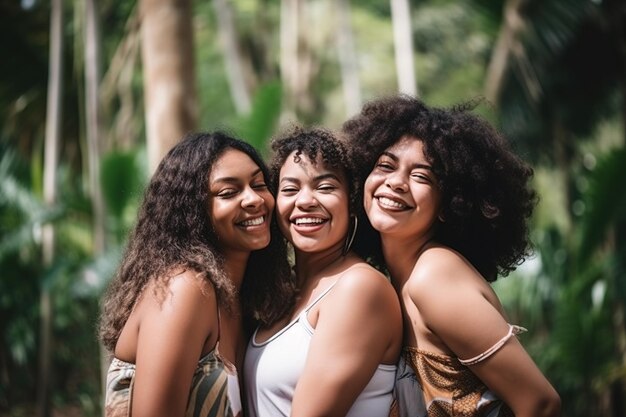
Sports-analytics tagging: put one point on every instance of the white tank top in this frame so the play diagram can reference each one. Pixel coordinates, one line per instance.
(272, 369)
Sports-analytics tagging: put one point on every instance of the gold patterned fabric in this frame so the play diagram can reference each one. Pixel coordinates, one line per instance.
(451, 389)
(214, 389)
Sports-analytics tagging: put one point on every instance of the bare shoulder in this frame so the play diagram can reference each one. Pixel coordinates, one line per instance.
(361, 283)
(184, 292)
(447, 290)
(362, 276)
(443, 279)
(443, 267)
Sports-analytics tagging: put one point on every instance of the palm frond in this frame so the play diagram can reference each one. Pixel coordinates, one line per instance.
(604, 201)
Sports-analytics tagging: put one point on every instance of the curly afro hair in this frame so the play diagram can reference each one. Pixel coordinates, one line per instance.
(321, 143)
(486, 200)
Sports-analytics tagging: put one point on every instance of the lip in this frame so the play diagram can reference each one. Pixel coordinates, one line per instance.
(391, 202)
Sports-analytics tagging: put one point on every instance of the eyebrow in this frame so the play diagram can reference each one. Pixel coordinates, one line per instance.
(235, 179)
(396, 159)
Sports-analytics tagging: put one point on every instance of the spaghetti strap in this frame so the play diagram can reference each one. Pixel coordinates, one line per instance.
(318, 298)
(513, 330)
(292, 322)
(219, 324)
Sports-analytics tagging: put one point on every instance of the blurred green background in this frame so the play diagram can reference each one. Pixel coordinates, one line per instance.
(92, 92)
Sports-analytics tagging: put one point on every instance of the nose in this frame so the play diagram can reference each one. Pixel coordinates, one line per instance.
(396, 182)
(305, 199)
(252, 199)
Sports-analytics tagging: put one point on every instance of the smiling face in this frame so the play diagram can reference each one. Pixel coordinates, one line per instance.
(401, 196)
(312, 205)
(240, 204)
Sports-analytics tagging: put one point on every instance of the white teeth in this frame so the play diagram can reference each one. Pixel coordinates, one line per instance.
(387, 202)
(308, 220)
(253, 222)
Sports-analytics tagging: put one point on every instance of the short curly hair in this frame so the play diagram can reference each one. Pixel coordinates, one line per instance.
(174, 232)
(319, 142)
(487, 199)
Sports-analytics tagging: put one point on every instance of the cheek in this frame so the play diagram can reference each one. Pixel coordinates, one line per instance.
(282, 214)
(270, 202)
(368, 192)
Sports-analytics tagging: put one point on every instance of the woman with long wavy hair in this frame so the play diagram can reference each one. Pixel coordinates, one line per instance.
(200, 264)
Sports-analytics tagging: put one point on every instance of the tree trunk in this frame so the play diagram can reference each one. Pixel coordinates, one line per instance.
(403, 45)
(117, 83)
(512, 24)
(51, 152)
(347, 59)
(297, 61)
(94, 120)
(289, 48)
(169, 74)
(94, 143)
(232, 56)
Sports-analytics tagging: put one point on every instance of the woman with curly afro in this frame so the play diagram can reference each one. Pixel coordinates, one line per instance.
(200, 262)
(335, 353)
(450, 203)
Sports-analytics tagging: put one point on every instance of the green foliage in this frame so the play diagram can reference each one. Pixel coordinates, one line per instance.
(22, 214)
(258, 126)
(575, 296)
(122, 179)
(605, 204)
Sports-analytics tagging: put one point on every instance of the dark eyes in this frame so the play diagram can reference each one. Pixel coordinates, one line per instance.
(231, 192)
(227, 193)
(388, 167)
(384, 166)
(325, 187)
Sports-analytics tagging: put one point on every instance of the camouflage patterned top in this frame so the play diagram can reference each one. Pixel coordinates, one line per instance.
(214, 389)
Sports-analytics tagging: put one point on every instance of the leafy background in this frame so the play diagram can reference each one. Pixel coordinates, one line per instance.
(560, 100)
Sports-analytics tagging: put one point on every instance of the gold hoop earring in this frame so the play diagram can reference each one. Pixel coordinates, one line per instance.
(348, 244)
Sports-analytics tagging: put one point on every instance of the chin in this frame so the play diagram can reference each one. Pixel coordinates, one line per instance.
(260, 245)
(382, 227)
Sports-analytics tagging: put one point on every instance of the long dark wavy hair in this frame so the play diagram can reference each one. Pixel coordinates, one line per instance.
(486, 200)
(317, 142)
(174, 233)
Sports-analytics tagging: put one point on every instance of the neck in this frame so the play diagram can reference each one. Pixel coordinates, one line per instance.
(310, 264)
(235, 267)
(401, 255)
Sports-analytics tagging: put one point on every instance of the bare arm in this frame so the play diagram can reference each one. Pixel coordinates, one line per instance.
(357, 326)
(170, 341)
(465, 315)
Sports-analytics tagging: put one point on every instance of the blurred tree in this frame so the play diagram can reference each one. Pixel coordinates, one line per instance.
(52, 139)
(347, 57)
(167, 46)
(237, 65)
(403, 43)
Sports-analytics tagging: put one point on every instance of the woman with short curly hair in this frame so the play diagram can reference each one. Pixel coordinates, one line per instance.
(334, 354)
(451, 203)
(200, 262)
